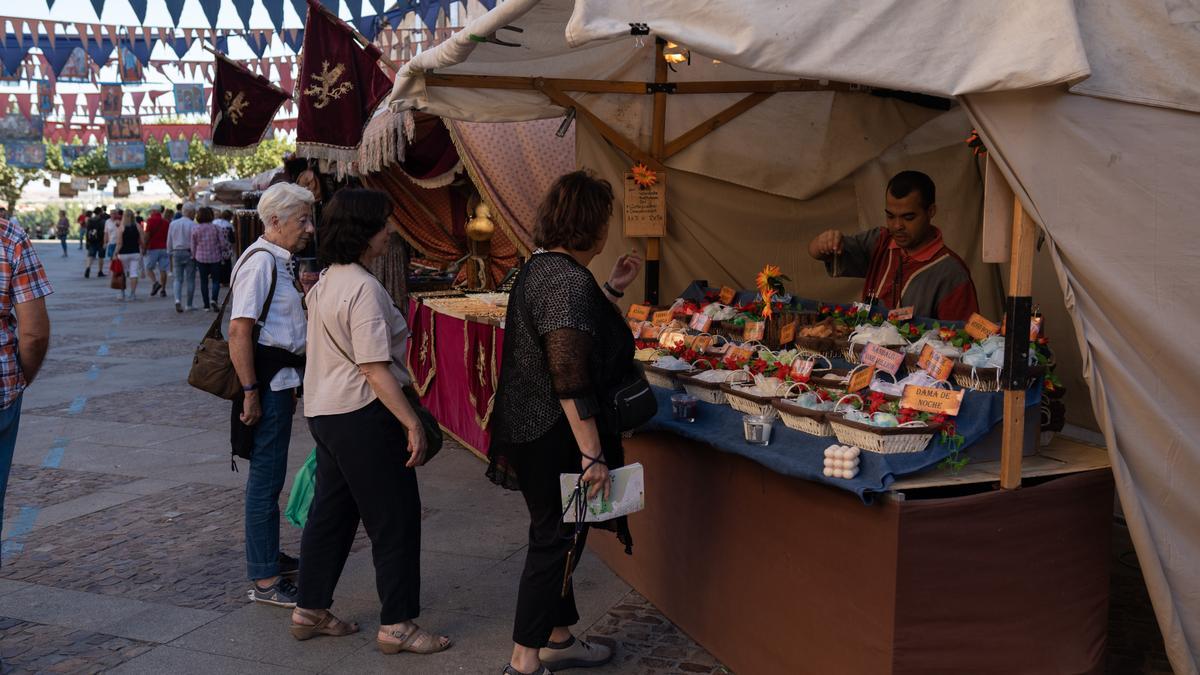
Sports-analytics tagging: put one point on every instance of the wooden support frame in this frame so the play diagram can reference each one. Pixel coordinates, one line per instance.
(636, 87)
(1020, 284)
(713, 123)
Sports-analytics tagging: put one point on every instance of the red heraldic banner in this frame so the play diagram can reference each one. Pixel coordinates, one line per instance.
(243, 106)
(340, 85)
(481, 350)
(422, 361)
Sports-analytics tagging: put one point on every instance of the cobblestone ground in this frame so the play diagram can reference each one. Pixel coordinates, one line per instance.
(647, 642)
(37, 648)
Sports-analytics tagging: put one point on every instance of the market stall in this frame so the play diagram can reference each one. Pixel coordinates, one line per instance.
(785, 122)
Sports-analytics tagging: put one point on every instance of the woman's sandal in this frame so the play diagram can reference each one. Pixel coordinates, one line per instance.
(327, 625)
(417, 641)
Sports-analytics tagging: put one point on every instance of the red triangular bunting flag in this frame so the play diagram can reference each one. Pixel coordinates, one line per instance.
(24, 103)
(69, 102)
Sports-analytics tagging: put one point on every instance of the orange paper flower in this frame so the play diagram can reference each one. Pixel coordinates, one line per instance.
(644, 176)
(769, 283)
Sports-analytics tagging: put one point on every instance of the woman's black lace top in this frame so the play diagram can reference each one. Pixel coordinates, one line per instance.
(563, 339)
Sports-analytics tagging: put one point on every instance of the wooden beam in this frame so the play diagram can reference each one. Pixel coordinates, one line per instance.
(635, 87)
(627, 146)
(1020, 284)
(658, 139)
(713, 123)
(997, 215)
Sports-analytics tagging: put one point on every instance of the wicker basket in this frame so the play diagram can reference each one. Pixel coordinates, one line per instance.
(883, 440)
(985, 379)
(831, 348)
(663, 377)
(798, 417)
(709, 392)
(744, 402)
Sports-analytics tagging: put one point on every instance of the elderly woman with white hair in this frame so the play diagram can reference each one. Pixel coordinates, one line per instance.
(266, 343)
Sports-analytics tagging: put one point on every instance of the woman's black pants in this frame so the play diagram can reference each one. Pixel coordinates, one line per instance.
(361, 474)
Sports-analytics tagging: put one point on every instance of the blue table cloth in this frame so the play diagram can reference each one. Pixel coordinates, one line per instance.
(800, 455)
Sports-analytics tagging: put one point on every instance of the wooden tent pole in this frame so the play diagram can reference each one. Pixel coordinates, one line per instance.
(658, 141)
(1020, 305)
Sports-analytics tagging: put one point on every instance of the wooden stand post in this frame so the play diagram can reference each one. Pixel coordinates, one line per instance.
(658, 141)
(1020, 288)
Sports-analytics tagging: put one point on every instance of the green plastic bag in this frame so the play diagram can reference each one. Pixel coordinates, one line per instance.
(303, 488)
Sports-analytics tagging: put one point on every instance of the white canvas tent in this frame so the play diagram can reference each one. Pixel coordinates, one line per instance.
(1088, 108)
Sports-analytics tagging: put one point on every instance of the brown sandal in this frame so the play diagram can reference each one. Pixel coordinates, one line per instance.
(328, 625)
(429, 643)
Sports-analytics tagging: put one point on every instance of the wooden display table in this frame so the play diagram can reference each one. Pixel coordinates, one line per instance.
(943, 575)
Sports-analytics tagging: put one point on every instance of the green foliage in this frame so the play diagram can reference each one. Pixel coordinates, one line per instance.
(268, 155)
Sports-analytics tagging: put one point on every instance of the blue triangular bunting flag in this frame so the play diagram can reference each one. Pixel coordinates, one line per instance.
(275, 11)
(212, 10)
(175, 8)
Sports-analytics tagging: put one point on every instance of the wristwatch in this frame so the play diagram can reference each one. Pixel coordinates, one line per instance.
(249, 387)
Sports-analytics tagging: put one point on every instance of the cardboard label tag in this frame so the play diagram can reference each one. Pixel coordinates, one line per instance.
(882, 358)
(939, 366)
(980, 328)
(860, 379)
(701, 322)
(755, 330)
(802, 369)
(651, 331)
(900, 314)
(662, 318)
(787, 334)
(739, 354)
(727, 295)
(639, 312)
(923, 359)
(932, 400)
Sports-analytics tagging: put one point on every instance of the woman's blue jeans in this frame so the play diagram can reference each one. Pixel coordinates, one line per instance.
(268, 468)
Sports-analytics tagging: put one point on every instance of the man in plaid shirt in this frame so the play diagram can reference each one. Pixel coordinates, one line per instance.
(24, 333)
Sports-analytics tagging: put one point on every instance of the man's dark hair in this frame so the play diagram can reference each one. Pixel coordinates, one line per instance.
(204, 214)
(99, 210)
(902, 184)
(353, 216)
(178, 206)
(227, 214)
(574, 213)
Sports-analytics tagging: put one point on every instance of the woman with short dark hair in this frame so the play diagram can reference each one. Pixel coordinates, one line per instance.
(358, 401)
(565, 346)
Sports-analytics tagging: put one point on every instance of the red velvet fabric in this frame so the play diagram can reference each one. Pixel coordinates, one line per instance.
(243, 106)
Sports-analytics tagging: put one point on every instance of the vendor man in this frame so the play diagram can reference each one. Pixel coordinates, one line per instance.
(905, 263)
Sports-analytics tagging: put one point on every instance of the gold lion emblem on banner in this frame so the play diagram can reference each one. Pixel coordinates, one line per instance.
(235, 106)
(327, 88)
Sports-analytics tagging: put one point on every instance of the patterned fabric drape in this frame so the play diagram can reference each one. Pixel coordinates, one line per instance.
(512, 166)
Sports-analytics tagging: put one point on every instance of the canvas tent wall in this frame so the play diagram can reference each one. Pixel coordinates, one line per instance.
(1113, 185)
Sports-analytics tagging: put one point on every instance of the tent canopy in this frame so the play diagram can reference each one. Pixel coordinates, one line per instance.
(1091, 170)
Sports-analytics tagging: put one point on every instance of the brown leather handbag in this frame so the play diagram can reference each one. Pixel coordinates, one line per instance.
(212, 368)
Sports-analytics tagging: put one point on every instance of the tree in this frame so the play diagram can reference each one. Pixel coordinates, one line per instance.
(202, 163)
(13, 180)
(267, 155)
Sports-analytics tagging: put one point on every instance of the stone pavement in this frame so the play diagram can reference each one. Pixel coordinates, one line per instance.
(123, 538)
(123, 527)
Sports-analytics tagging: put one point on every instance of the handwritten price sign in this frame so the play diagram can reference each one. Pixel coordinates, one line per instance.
(802, 369)
(882, 358)
(787, 334)
(980, 328)
(932, 400)
(755, 330)
(727, 295)
(739, 354)
(661, 318)
(639, 312)
(939, 366)
(860, 379)
(900, 314)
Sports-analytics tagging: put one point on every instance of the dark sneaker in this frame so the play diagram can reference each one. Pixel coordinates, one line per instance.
(282, 593)
(179, 308)
(87, 272)
(288, 566)
(163, 292)
(154, 291)
(101, 274)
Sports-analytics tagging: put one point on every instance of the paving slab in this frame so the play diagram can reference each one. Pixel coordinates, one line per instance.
(120, 616)
(178, 661)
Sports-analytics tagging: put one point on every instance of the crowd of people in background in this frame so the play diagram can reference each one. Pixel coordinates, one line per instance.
(170, 247)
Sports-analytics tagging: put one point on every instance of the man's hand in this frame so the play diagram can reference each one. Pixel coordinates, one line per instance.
(251, 409)
(826, 244)
(624, 271)
(595, 477)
